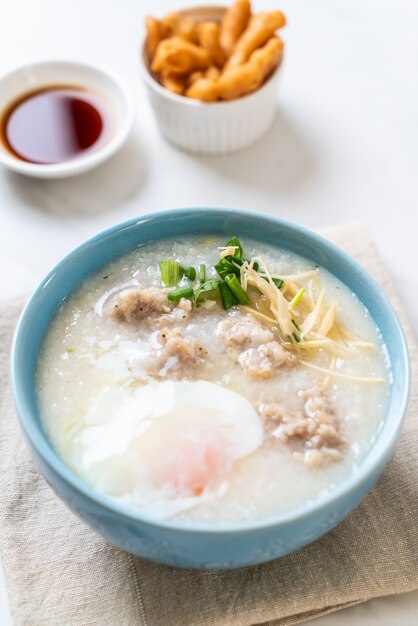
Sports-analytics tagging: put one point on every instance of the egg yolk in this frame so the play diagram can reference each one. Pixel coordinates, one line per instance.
(193, 462)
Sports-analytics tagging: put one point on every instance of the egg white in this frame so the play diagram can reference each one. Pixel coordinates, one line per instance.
(163, 447)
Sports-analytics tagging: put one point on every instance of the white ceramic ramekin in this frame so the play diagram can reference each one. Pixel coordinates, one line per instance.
(214, 128)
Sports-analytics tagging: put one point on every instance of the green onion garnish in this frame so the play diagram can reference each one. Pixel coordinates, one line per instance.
(225, 267)
(237, 261)
(234, 259)
(170, 273)
(188, 271)
(227, 297)
(231, 263)
(235, 286)
(296, 336)
(181, 292)
(298, 297)
(234, 243)
(277, 281)
(207, 291)
(202, 272)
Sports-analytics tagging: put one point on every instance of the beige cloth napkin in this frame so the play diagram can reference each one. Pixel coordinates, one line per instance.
(60, 572)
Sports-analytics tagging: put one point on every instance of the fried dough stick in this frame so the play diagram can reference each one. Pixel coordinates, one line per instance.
(238, 81)
(233, 24)
(154, 36)
(176, 83)
(261, 28)
(208, 34)
(204, 89)
(175, 25)
(179, 56)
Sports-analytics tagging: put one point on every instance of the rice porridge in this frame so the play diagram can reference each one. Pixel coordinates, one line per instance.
(213, 382)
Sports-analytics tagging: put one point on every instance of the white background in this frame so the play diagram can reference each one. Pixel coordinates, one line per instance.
(344, 146)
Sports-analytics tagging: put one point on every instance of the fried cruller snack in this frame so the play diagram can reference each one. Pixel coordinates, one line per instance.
(212, 61)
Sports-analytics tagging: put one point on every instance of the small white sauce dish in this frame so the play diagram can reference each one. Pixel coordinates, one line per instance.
(115, 97)
(211, 128)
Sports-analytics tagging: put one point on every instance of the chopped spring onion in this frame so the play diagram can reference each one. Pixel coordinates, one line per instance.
(188, 271)
(296, 336)
(182, 292)
(231, 264)
(298, 297)
(170, 273)
(225, 267)
(207, 291)
(234, 243)
(202, 272)
(237, 261)
(227, 297)
(235, 286)
(277, 281)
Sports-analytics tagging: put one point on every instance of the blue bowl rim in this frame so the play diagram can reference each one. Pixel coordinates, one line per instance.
(380, 449)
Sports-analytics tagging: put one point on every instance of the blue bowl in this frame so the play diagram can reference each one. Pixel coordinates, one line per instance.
(202, 546)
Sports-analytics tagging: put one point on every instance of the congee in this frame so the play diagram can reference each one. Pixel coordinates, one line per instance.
(210, 381)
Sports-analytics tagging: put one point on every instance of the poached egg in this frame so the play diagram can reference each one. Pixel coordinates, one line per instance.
(164, 446)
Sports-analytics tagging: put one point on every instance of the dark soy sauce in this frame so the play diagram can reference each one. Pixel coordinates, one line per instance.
(54, 124)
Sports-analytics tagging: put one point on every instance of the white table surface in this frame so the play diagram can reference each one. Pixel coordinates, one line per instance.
(344, 147)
